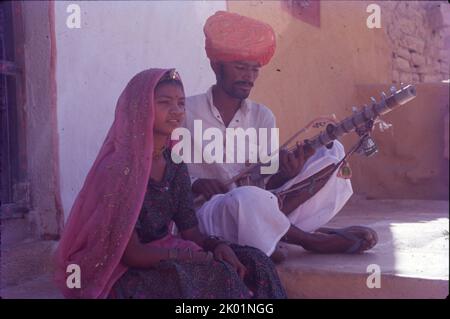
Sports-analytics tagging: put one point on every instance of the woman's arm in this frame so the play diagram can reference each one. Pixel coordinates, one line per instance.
(218, 247)
(187, 223)
(140, 256)
(194, 234)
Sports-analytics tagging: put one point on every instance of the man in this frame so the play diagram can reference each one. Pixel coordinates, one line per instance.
(238, 47)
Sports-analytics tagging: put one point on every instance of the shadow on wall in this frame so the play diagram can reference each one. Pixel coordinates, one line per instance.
(411, 161)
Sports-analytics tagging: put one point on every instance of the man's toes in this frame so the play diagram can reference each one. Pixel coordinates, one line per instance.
(368, 236)
(371, 243)
(375, 236)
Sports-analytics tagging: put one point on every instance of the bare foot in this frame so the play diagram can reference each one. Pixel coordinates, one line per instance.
(353, 239)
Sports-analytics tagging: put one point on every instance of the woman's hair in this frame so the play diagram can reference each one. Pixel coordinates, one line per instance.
(170, 77)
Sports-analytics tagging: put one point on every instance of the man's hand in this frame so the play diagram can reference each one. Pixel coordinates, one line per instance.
(223, 252)
(208, 187)
(291, 163)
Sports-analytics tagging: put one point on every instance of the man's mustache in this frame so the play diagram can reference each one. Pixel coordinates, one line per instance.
(244, 83)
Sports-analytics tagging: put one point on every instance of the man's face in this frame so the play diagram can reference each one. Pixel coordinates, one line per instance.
(237, 78)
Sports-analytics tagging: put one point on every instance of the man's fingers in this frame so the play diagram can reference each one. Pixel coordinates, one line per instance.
(283, 158)
(223, 188)
(309, 151)
(301, 154)
(207, 194)
(291, 160)
(298, 148)
(214, 188)
(219, 189)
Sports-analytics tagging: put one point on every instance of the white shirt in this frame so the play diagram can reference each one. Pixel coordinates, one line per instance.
(249, 115)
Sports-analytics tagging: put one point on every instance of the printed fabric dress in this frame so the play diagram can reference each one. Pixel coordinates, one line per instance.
(172, 200)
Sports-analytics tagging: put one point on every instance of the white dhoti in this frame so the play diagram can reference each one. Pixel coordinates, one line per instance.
(249, 215)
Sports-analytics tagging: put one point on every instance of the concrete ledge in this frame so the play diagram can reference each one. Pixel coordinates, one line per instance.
(25, 261)
(412, 253)
(41, 287)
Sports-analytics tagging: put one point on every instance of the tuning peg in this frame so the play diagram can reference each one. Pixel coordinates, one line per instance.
(393, 89)
(354, 109)
(373, 100)
(383, 96)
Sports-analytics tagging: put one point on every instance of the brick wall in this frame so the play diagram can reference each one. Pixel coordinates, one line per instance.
(419, 32)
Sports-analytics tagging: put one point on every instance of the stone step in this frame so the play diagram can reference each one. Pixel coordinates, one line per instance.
(25, 261)
(16, 229)
(412, 255)
(41, 287)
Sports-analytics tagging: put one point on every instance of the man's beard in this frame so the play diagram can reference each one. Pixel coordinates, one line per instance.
(238, 93)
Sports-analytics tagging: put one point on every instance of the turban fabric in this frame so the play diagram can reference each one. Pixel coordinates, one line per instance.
(232, 37)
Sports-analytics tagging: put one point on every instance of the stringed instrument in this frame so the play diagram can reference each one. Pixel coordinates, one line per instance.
(360, 121)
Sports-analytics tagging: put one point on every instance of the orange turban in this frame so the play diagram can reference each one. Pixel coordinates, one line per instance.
(232, 37)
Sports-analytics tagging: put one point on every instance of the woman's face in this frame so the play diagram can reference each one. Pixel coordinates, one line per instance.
(169, 108)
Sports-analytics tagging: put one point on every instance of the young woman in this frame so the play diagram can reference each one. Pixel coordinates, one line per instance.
(118, 231)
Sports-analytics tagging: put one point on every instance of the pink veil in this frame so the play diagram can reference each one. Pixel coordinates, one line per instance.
(106, 209)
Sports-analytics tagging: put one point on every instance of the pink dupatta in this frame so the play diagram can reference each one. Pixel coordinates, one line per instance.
(106, 209)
